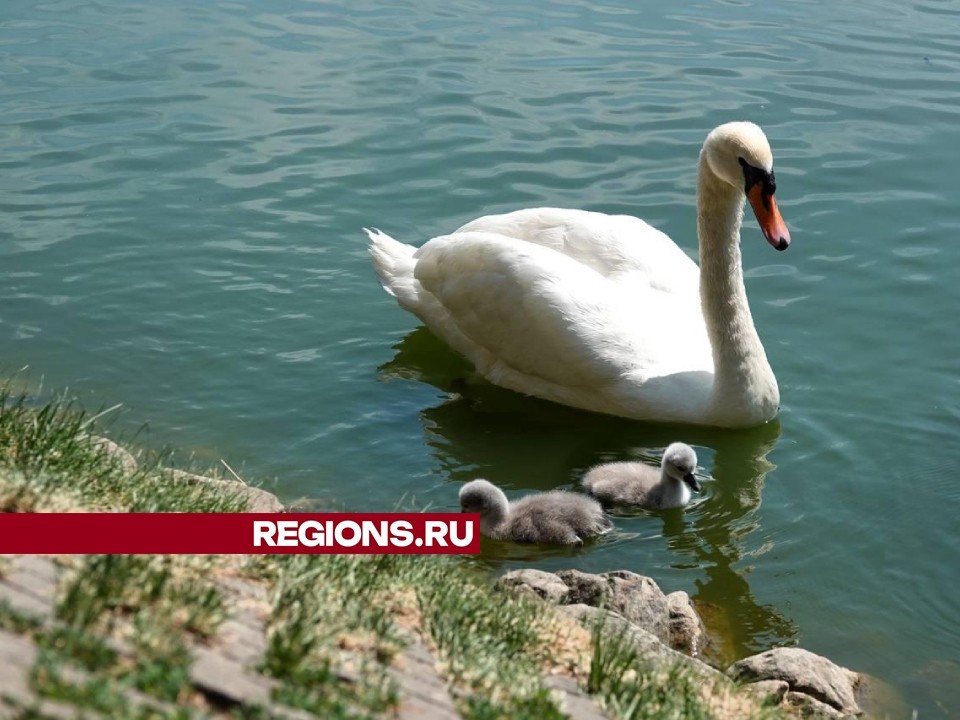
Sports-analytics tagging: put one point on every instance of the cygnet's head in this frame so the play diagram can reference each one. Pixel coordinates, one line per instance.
(680, 463)
(482, 496)
(739, 154)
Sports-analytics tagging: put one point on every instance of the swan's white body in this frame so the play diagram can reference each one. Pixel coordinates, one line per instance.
(602, 312)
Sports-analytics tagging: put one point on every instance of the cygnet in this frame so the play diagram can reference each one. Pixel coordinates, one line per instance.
(635, 483)
(555, 517)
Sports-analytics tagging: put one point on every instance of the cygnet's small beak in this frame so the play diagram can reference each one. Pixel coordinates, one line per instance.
(691, 480)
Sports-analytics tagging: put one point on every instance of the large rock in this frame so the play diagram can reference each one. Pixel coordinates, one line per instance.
(647, 645)
(122, 457)
(544, 585)
(805, 673)
(257, 500)
(635, 597)
(808, 706)
(768, 692)
(687, 633)
(585, 588)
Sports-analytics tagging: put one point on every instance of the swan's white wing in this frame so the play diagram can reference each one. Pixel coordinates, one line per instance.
(611, 245)
(532, 318)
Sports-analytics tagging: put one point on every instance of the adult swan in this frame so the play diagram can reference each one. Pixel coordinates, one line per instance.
(604, 312)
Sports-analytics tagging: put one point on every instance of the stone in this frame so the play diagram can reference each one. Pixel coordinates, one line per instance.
(806, 673)
(227, 681)
(35, 574)
(121, 456)
(636, 597)
(809, 707)
(545, 585)
(687, 632)
(258, 500)
(592, 617)
(422, 693)
(647, 645)
(585, 588)
(574, 703)
(26, 603)
(30, 585)
(17, 655)
(312, 505)
(242, 642)
(770, 692)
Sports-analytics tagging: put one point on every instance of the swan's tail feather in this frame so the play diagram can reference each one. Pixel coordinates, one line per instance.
(393, 261)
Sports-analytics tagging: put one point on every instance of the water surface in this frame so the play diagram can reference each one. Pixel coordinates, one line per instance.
(182, 188)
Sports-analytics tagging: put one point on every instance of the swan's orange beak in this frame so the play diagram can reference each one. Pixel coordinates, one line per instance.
(768, 215)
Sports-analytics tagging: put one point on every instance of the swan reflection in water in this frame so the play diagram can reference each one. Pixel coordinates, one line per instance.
(526, 444)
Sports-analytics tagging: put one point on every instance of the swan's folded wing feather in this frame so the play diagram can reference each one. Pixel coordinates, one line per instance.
(522, 308)
(611, 245)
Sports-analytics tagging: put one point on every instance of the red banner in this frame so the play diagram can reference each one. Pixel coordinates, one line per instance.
(239, 533)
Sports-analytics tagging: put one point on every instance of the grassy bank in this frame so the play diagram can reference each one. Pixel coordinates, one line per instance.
(125, 630)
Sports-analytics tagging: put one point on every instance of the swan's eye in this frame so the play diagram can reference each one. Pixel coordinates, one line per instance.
(753, 175)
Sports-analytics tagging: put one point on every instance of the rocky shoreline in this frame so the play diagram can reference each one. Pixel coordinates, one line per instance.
(663, 629)
(667, 629)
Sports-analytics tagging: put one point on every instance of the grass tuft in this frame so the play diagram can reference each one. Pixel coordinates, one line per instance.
(635, 690)
(52, 460)
(83, 648)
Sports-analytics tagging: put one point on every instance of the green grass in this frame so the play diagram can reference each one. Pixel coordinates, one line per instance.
(147, 601)
(162, 659)
(491, 644)
(79, 646)
(129, 584)
(98, 694)
(50, 459)
(494, 645)
(634, 689)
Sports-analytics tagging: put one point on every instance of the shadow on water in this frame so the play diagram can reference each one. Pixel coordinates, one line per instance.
(519, 442)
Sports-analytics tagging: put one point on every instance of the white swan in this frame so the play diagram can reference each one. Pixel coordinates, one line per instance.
(636, 483)
(554, 517)
(604, 312)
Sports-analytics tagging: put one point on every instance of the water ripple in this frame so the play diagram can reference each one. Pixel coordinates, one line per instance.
(184, 186)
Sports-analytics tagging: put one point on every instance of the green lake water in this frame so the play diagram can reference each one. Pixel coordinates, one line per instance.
(182, 191)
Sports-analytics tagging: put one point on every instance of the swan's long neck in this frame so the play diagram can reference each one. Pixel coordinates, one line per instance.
(744, 385)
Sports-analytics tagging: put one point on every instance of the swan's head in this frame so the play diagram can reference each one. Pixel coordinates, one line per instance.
(680, 463)
(482, 496)
(738, 153)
